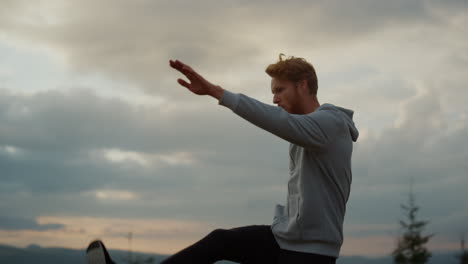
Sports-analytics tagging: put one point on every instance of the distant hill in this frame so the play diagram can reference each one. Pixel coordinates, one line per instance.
(37, 254)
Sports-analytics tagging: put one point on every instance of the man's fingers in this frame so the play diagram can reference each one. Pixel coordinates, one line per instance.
(176, 64)
(183, 83)
(184, 69)
(192, 75)
(180, 66)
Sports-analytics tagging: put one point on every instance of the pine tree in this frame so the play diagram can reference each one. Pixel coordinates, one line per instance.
(463, 257)
(411, 246)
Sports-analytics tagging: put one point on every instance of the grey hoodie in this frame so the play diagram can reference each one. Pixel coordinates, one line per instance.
(319, 171)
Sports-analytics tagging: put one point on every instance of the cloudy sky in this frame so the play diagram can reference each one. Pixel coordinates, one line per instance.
(97, 139)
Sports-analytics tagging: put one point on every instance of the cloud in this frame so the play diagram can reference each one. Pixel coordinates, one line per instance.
(118, 195)
(419, 145)
(14, 223)
(143, 159)
(132, 41)
(83, 152)
(87, 153)
(400, 65)
(161, 236)
(213, 171)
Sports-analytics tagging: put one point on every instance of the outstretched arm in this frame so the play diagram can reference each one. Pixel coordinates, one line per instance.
(198, 84)
(313, 131)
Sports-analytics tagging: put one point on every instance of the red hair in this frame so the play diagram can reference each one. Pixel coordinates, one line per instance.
(294, 69)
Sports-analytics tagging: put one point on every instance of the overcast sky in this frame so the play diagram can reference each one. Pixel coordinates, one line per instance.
(97, 139)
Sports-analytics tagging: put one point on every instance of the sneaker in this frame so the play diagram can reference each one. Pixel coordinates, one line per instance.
(97, 253)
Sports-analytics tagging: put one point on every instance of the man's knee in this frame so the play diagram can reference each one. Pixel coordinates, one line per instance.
(219, 234)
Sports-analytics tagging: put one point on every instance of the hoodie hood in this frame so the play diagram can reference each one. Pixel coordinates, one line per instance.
(347, 116)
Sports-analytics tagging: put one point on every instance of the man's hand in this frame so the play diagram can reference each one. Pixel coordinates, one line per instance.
(198, 84)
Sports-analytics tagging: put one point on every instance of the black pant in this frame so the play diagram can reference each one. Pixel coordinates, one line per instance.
(248, 245)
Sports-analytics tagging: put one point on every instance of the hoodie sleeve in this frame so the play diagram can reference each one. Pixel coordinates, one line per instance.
(314, 131)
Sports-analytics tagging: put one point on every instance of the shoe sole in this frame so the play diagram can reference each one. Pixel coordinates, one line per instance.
(97, 253)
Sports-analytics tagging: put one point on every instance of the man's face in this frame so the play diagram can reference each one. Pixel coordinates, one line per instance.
(285, 95)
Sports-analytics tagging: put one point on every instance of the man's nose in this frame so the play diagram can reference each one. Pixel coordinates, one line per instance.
(276, 99)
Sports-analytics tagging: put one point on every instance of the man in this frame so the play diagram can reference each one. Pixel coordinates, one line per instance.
(309, 227)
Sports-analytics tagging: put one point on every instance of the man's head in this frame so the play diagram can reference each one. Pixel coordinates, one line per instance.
(293, 84)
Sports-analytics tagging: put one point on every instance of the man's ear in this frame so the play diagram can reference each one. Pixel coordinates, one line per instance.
(303, 86)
